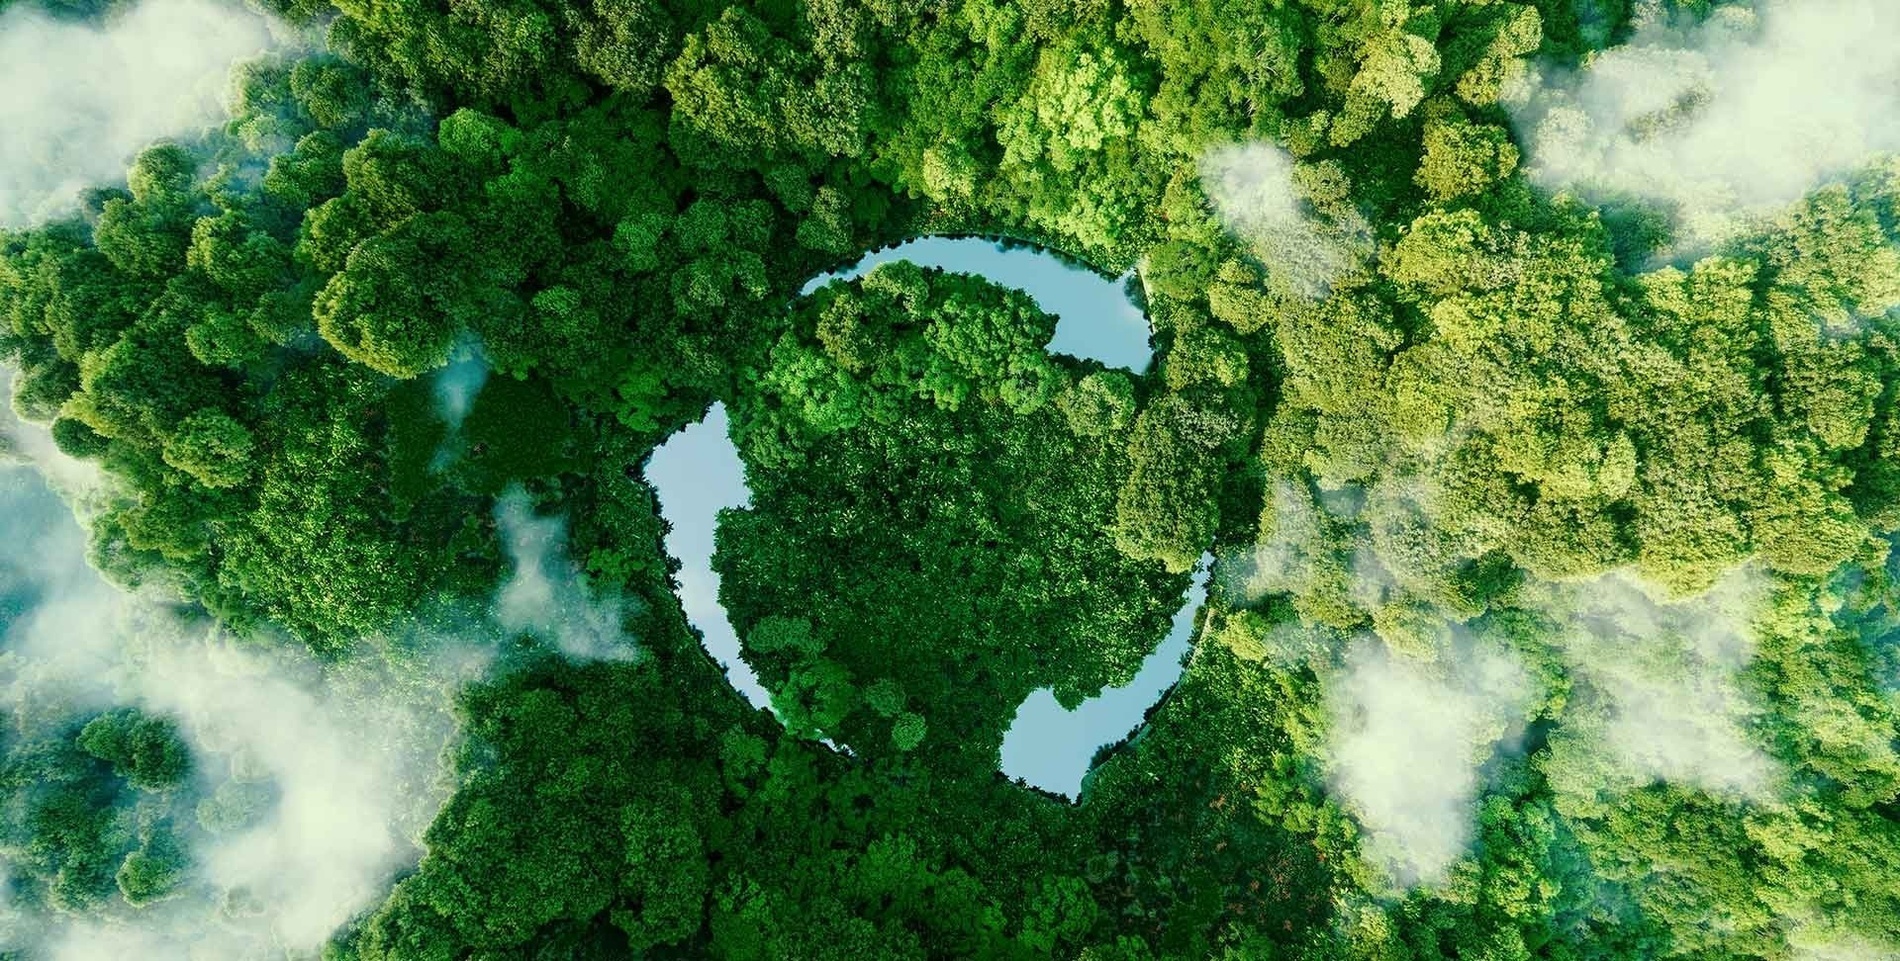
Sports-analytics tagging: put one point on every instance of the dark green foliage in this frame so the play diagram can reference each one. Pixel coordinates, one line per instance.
(154, 870)
(146, 751)
(213, 448)
(904, 443)
(398, 303)
(1167, 510)
(540, 835)
(83, 808)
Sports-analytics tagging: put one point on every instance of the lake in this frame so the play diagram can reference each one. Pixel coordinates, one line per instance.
(697, 472)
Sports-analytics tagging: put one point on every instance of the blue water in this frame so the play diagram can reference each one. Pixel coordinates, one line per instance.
(1094, 317)
(1051, 748)
(697, 472)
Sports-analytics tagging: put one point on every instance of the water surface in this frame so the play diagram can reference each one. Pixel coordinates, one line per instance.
(1051, 748)
(1094, 317)
(697, 472)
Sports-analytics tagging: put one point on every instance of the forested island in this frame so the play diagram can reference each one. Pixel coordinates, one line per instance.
(1537, 397)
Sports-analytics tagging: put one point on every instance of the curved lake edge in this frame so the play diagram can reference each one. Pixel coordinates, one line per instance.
(1113, 717)
(697, 471)
(1099, 316)
(1003, 241)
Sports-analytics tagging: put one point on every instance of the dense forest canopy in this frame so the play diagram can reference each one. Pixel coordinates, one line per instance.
(1552, 491)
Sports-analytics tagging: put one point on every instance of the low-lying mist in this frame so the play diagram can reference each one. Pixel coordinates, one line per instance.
(82, 99)
(1407, 742)
(1733, 117)
(1638, 689)
(1268, 200)
(338, 765)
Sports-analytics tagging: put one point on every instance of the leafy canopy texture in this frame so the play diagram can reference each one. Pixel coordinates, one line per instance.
(1552, 617)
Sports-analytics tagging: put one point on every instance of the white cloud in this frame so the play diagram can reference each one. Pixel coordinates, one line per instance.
(80, 100)
(1255, 190)
(27, 444)
(1738, 116)
(456, 387)
(1287, 555)
(1662, 700)
(349, 753)
(1842, 949)
(349, 769)
(1405, 745)
(546, 595)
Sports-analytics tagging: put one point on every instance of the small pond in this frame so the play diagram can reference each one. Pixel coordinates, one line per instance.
(697, 472)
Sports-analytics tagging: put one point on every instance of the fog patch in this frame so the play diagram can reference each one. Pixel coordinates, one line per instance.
(99, 943)
(1346, 554)
(1406, 743)
(546, 595)
(337, 766)
(455, 388)
(1266, 199)
(1810, 946)
(1726, 120)
(1655, 694)
(82, 99)
(1659, 697)
(341, 770)
(23, 443)
(1283, 559)
(344, 759)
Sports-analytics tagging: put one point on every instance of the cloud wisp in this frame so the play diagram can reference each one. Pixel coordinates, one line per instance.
(339, 765)
(81, 99)
(1421, 703)
(546, 595)
(346, 757)
(1406, 745)
(1257, 193)
(1726, 120)
(1661, 699)
(456, 387)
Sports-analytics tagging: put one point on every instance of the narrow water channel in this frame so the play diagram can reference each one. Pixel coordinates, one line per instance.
(1094, 317)
(697, 473)
(1051, 748)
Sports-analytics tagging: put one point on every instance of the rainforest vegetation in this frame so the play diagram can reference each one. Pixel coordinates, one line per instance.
(1494, 404)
